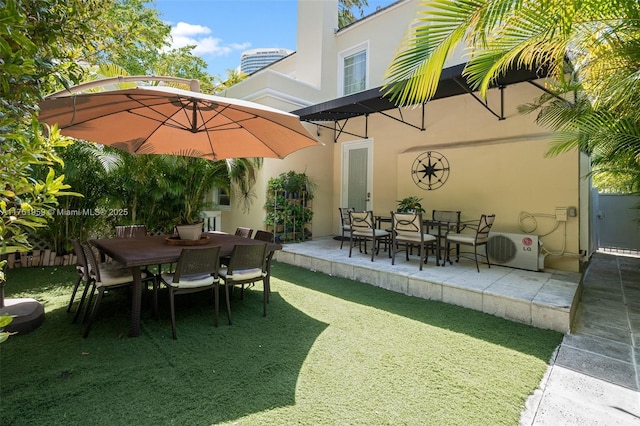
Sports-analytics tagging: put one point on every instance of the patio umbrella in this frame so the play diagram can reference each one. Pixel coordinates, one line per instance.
(166, 120)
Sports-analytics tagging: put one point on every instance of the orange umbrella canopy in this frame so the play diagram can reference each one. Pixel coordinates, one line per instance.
(165, 120)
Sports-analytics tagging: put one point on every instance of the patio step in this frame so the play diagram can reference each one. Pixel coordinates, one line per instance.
(545, 299)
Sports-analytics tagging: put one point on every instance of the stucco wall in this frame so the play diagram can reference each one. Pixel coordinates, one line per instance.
(316, 162)
(496, 167)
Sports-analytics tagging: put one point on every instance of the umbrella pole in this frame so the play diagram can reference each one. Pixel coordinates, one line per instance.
(194, 117)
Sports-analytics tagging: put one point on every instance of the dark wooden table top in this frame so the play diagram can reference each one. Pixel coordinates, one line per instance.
(154, 250)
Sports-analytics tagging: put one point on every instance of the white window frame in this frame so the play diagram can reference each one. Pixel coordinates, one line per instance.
(362, 47)
(215, 195)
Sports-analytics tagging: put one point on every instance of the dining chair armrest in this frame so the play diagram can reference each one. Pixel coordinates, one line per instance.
(472, 224)
(453, 225)
(459, 227)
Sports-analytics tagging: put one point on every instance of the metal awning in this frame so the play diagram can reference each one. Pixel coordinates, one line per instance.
(371, 101)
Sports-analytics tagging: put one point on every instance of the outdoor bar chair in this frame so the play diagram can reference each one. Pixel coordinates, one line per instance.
(196, 270)
(345, 222)
(477, 238)
(407, 231)
(363, 229)
(445, 221)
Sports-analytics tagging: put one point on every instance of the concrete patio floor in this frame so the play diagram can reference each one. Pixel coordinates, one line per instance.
(544, 299)
(592, 378)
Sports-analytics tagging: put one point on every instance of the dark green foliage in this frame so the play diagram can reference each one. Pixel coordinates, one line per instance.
(288, 206)
(410, 204)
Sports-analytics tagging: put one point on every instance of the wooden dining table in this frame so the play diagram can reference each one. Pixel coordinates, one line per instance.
(136, 253)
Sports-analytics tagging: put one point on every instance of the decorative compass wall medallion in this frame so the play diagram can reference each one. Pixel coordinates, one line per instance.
(430, 170)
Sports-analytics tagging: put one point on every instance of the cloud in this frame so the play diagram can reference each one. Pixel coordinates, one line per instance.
(184, 34)
(185, 29)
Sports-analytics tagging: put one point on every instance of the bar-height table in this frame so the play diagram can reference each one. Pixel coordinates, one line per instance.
(443, 227)
(154, 250)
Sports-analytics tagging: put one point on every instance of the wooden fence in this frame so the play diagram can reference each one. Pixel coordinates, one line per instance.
(39, 258)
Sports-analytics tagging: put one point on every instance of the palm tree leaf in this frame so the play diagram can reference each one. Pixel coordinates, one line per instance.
(415, 70)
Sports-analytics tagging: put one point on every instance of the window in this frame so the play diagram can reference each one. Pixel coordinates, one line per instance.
(353, 72)
(221, 198)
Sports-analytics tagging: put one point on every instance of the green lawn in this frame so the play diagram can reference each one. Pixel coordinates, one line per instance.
(330, 352)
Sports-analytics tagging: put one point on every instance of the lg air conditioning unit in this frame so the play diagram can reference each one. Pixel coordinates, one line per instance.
(515, 250)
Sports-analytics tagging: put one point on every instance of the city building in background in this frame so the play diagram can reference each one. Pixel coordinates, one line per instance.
(254, 59)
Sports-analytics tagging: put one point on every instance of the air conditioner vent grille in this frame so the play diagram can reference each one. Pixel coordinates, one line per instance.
(502, 249)
(515, 250)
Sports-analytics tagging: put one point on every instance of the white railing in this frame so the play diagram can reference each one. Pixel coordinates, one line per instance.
(212, 220)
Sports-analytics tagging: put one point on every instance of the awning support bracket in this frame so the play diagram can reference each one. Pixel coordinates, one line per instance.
(485, 103)
(555, 95)
(401, 119)
(338, 128)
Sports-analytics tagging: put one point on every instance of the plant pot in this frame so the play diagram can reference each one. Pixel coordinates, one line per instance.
(190, 232)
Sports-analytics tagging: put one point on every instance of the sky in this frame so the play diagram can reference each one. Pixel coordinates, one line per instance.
(223, 29)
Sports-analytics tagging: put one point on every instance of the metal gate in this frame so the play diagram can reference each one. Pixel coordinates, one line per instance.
(618, 221)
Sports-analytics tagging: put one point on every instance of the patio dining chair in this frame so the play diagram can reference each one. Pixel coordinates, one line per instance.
(445, 221)
(103, 278)
(477, 238)
(263, 236)
(247, 265)
(137, 231)
(408, 232)
(86, 275)
(345, 222)
(266, 237)
(242, 231)
(196, 270)
(82, 268)
(131, 231)
(363, 229)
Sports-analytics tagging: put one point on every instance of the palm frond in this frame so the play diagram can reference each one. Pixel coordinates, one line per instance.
(415, 70)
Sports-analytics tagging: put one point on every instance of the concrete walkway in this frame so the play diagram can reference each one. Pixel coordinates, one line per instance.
(593, 379)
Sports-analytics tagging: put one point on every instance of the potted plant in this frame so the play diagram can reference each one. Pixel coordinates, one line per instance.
(189, 224)
(287, 205)
(197, 182)
(308, 186)
(188, 229)
(410, 205)
(292, 183)
(275, 184)
(275, 206)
